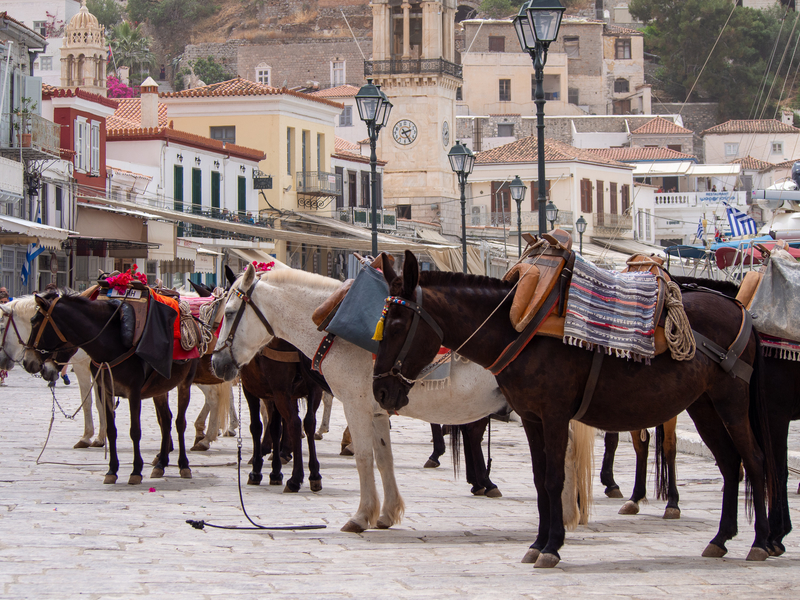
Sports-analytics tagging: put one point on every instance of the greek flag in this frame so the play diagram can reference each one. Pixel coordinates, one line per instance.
(700, 231)
(34, 250)
(740, 223)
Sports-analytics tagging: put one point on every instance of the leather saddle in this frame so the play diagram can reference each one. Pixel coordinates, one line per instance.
(133, 312)
(538, 272)
(325, 311)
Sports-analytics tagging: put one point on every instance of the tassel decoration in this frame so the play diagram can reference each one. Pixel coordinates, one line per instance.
(378, 336)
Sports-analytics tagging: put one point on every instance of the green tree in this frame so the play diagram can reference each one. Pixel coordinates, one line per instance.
(131, 48)
(682, 34)
(210, 71)
(171, 20)
(498, 9)
(107, 12)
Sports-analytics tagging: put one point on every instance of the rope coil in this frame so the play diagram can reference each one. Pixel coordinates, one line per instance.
(677, 329)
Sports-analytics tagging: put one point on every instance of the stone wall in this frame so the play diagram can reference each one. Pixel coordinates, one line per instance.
(697, 116)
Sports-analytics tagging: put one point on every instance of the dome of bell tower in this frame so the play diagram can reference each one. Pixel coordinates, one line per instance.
(84, 19)
(83, 53)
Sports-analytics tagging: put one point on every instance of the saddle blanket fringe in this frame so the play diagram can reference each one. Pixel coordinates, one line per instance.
(775, 347)
(613, 311)
(440, 373)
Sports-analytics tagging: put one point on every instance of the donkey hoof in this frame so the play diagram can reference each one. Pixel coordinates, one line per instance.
(757, 554)
(352, 527)
(531, 556)
(629, 508)
(478, 491)
(289, 489)
(432, 464)
(186, 473)
(110, 478)
(285, 460)
(134, 480)
(613, 493)
(777, 549)
(254, 479)
(346, 451)
(199, 447)
(157, 473)
(672, 513)
(383, 523)
(318, 436)
(82, 444)
(156, 460)
(315, 484)
(98, 444)
(276, 480)
(546, 561)
(714, 551)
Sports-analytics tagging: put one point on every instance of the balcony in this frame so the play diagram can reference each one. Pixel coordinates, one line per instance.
(315, 189)
(530, 219)
(613, 221)
(413, 66)
(44, 142)
(387, 217)
(685, 199)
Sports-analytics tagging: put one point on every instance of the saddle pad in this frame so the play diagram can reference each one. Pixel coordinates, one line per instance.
(196, 303)
(612, 310)
(779, 348)
(361, 309)
(776, 303)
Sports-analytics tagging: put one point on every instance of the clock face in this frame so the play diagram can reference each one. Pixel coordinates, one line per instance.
(445, 134)
(404, 132)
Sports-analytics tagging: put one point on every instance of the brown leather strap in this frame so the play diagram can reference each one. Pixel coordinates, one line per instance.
(591, 384)
(281, 356)
(729, 359)
(48, 318)
(322, 352)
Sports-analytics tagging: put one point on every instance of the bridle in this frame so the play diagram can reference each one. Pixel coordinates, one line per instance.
(11, 323)
(247, 300)
(48, 318)
(419, 313)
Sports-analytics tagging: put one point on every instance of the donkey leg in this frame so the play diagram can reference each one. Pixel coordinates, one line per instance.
(327, 405)
(277, 432)
(113, 458)
(438, 446)
(200, 425)
(555, 443)
(309, 424)
(668, 453)
(535, 435)
(100, 440)
(780, 522)
(135, 402)
(161, 403)
(641, 447)
(475, 461)
(85, 386)
(393, 506)
(256, 430)
(607, 470)
(359, 412)
(184, 397)
(293, 428)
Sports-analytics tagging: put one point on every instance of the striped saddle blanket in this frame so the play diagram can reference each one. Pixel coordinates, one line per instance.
(612, 311)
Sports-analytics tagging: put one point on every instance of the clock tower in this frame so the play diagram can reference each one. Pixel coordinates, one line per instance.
(413, 60)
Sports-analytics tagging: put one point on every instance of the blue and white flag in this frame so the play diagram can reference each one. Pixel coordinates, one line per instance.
(34, 250)
(700, 231)
(740, 223)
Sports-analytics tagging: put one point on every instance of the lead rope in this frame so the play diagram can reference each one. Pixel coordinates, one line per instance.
(677, 328)
(256, 526)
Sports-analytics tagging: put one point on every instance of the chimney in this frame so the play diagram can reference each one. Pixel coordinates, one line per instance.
(149, 103)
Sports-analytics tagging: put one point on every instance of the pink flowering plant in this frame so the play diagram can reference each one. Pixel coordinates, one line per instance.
(117, 89)
(121, 282)
(263, 267)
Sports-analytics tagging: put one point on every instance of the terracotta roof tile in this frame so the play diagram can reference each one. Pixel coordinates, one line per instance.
(752, 164)
(129, 114)
(525, 151)
(341, 144)
(50, 91)
(342, 91)
(661, 126)
(752, 126)
(786, 164)
(190, 139)
(637, 154)
(243, 87)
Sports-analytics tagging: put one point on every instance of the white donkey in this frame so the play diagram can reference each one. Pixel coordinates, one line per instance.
(287, 299)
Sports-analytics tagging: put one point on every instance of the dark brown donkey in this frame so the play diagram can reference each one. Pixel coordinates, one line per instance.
(546, 383)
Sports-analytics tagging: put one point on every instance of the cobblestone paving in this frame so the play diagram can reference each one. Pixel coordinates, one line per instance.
(63, 534)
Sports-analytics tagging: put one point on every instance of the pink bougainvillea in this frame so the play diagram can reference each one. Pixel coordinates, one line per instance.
(117, 89)
(263, 267)
(122, 281)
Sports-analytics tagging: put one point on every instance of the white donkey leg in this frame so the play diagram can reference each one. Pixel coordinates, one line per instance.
(84, 377)
(203, 443)
(200, 422)
(324, 426)
(358, 413)
(233, 419)
(393, 506)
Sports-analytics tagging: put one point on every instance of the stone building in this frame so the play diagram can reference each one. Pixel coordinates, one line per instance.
(83, 53)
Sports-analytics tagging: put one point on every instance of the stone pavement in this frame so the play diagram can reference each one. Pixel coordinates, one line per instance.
(64, 534)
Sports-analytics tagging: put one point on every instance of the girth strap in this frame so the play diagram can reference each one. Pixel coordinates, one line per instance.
(591, 384)
(728, 359)
(322, 352)
(282, 356)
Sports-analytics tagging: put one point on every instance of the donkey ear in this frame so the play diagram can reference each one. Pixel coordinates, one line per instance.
(41, 302)
(230, 275)
(410, 274)
(249, 277)
(388, 272)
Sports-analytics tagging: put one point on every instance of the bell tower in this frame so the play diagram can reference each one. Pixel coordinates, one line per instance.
(413, 60)
(83, 53)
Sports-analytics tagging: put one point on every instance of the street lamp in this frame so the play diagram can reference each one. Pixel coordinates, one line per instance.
(517, 194)
(537, 27)
(461, 160)
(580, 225)
(552, 213)
(373, 108)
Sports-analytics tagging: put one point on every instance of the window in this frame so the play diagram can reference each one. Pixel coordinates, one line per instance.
(572, 47)
(40, 27)
(731, 149)
(46, 63)
(346, 117)
(573, 95)
(626, 199)
(622, 107)
(676, 147)
(600, 199)
(459, 94)
(621, 86)
(215, 179)
(777, 147)
(365, 189)
(305, 156)
(647, 224)
(403, 211)
(94, 149)
(177, 190)
(263, 74)
(225, 134)
(289, 149)
(505, 90)
(535, 194)
(320, 152)
(242, 194)
(586, 195)
(197, 191)
(497, 43)
(505, 130)
(623, 48)
(337, 72)
(612, 198)
(82, 141)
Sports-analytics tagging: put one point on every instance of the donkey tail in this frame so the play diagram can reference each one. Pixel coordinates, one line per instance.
(583, 453)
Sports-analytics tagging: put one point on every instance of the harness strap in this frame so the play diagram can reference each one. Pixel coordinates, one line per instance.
(117, 361)
(322, 352)
(13, 324)
(591, 384)
(282, 356)
(728, 359)
(48, 317)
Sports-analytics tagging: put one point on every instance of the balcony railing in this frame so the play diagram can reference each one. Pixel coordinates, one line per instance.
(682, 199)
(530, 219)
(40, 139)
(387, 217)
(318, 183)
(613, 221)
(416, 66)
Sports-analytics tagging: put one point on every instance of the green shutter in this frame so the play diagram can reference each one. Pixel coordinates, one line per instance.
(178, 190)
(242, 196)
(215, 193)
(197, 191)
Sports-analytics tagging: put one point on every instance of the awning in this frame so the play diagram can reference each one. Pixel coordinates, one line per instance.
(715, 170)
(205, 263)
(94, 221)
(627, 246)
(20, 231)
(452, 259)
(432, 236)
(662, 168)
(163, 234)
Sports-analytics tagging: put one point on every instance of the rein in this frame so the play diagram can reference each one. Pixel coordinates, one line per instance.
(247, 300)
(13, 324)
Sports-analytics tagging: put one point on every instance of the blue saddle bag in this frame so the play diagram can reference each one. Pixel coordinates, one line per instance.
(361, 309)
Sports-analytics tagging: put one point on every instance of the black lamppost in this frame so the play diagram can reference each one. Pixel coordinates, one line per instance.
(517, 194)
(552, 213)
(461, 160)
(373, 108)
(537, 27)
(580, 225)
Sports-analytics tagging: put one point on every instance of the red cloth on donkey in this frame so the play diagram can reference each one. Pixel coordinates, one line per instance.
(178, 353)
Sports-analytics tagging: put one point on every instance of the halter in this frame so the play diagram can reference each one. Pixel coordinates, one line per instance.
(48, 318)
(247, 300)
(418, 312)
(11, 323)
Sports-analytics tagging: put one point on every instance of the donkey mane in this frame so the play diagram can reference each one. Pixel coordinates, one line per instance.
(450, 278)
(302, 278)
